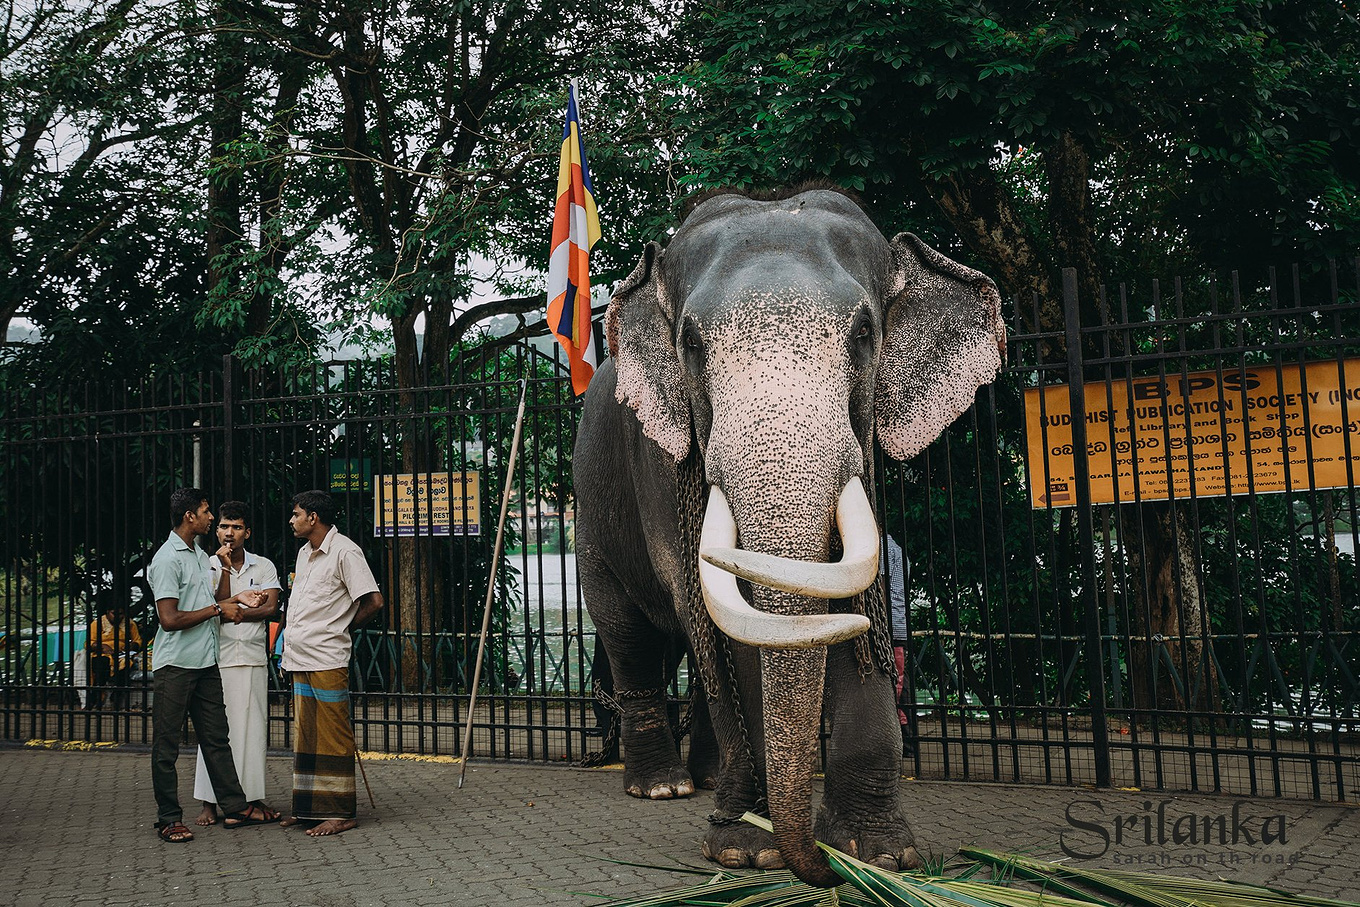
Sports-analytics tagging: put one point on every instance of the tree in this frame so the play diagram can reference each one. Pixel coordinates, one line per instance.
(1028, 129)
(423, 134)
(96, 217)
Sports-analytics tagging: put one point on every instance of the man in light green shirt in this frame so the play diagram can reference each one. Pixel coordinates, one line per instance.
(184, 662)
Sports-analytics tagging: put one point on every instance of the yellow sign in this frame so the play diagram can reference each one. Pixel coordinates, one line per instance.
(1261, 429)
(440, 503)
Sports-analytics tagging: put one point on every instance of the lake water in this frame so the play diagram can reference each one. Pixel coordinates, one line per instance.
(552, 634)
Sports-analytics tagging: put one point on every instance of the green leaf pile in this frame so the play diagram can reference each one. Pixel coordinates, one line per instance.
(985, 879)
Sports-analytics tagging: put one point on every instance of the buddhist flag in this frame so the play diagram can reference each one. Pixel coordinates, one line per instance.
(576, 227)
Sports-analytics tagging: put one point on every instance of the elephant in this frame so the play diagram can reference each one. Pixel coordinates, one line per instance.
(724, 457)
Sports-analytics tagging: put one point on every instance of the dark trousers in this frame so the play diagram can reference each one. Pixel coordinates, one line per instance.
(196, 692)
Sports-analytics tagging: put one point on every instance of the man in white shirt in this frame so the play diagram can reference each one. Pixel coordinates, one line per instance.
(242, 658)
(333, 593)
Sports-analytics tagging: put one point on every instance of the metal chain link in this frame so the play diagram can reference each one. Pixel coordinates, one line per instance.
(690, 500)
(877, 648)
(611, 738)
(709, 644)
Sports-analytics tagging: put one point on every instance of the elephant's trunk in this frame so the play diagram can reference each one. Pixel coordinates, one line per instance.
(792, 631)
(792, 705)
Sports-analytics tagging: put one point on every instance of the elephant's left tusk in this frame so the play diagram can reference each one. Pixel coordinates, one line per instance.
(734, 615)
(857, 568)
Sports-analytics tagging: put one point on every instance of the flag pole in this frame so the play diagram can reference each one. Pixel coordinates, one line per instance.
(491, 579)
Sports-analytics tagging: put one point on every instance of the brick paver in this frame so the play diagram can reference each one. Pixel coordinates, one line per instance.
(75, 828)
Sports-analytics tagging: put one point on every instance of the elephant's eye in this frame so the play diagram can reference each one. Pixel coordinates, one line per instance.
(692, 348)
(864, 329)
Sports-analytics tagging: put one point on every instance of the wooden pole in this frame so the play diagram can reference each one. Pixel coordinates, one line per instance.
(491, 579)
(359, 759)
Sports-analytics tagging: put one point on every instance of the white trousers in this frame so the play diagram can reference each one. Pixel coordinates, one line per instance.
(246, 691)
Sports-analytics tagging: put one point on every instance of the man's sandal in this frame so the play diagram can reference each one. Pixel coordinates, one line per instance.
(253, 815)
(174, 833)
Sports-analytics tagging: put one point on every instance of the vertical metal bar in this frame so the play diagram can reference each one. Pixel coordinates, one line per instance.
(1338, 330)
(228, 427)
(1306, 652)
(1095, 675)
(1231, 496)
(1043, 704)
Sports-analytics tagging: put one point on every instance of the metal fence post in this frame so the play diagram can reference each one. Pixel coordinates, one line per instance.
(1095, 674)
(228, 425)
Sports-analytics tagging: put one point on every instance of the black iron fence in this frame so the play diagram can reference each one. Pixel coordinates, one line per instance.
(1086, 607)
(1081, 610)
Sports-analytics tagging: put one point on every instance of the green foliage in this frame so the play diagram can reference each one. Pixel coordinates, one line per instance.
(98, 208)
(408, 159)
(1220, 133)
(982, 879)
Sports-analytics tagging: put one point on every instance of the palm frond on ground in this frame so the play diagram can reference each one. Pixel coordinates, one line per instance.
(983, 878)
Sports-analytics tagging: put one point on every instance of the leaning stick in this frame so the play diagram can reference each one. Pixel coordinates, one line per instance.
(359, 759)
(491, 579)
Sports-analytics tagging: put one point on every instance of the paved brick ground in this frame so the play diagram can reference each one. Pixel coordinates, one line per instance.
(75, 828)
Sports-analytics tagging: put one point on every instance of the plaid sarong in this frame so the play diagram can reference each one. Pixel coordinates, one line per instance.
(323, 746)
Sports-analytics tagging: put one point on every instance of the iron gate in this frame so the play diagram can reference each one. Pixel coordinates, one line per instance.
(1197, 643)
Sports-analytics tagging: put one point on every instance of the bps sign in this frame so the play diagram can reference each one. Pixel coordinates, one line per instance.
(427, 503)
(1152, 438)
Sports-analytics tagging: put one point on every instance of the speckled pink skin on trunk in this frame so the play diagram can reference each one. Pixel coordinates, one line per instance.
(779, 335)
(781, 447)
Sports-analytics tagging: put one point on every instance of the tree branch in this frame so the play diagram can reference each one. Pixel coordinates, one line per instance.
(515, 305)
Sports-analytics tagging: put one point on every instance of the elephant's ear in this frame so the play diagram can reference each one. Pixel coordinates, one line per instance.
(944, 339)
(641, 332)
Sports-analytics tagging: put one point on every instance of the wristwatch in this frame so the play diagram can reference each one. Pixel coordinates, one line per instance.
(217, 608)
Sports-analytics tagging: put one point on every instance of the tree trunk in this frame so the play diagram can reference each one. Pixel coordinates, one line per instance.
(292, 78)
(1068, 166)
(1169, 664)
(224, 190)
(977, 206)
(422, 564)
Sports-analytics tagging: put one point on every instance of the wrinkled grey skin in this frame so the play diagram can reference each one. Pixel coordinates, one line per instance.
(779, 336)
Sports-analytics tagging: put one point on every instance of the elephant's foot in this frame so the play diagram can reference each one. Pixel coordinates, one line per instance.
(652, 768)
(703, 766)
(705, 777)
(664, 784)
(741, 846)
(884, 841)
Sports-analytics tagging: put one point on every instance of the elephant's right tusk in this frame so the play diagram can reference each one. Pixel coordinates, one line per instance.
(851, 575)
(734, 615)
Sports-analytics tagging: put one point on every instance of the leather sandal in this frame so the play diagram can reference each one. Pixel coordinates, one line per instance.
(251, 815)
(174, 833)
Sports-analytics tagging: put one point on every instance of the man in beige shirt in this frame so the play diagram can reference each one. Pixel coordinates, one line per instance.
(333, 592)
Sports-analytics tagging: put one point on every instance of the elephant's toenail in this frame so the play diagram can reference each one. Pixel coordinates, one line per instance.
(732, 858)
(911, 859)
(662, 793)
(852, 847)
(884, 861)
(769, 859)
